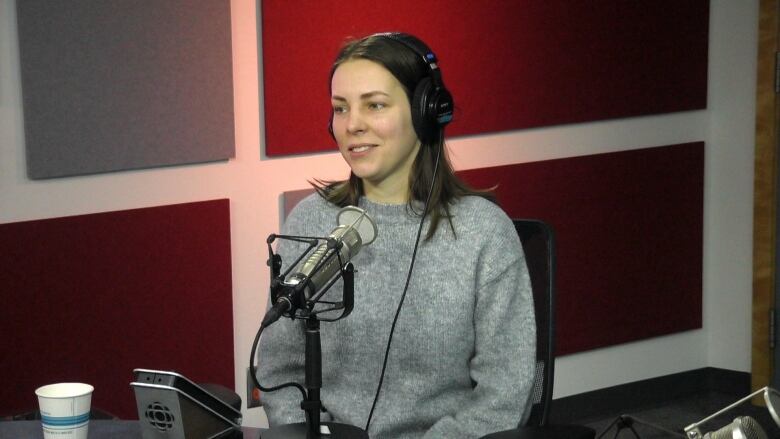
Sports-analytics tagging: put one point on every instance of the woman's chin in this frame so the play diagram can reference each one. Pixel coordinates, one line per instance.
(363, 173)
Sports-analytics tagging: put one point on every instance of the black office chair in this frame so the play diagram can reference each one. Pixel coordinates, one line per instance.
(538, 242)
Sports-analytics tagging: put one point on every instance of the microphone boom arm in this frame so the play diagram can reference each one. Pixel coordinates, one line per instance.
(693, 432)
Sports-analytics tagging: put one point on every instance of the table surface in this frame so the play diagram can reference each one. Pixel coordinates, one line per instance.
(100, 429)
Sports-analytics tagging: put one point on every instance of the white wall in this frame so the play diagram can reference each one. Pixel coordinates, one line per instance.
(728, 194)
(252, 182)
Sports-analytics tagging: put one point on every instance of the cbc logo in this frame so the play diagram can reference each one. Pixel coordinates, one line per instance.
(159, 416)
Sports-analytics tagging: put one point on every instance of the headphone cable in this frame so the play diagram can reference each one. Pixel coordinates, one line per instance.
(406, 286)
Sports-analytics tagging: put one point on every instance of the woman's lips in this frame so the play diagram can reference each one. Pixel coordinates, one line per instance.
(363, 147)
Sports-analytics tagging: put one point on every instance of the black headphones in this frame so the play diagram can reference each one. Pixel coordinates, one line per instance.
(432, 104)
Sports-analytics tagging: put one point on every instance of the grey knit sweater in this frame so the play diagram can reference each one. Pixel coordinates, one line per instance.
(463, 353)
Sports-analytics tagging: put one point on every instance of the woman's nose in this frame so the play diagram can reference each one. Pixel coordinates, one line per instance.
(355, 122)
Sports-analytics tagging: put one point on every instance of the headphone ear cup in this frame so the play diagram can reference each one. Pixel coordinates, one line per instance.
(422, 120)
(431, 109)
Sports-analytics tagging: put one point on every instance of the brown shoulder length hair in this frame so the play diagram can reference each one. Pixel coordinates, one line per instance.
(409, 69)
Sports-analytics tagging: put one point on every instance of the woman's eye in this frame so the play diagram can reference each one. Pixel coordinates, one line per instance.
(339, 109)
(376, 105)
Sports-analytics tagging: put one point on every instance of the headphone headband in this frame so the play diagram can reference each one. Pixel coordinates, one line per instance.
(415, 45)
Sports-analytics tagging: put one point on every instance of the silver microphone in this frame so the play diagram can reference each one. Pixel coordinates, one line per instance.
(743, 427)
(355, 230)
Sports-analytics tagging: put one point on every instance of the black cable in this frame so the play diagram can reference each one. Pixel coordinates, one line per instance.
(406, 287)
(253, 369)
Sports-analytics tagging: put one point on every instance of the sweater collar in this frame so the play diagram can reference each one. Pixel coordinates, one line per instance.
(390, 213)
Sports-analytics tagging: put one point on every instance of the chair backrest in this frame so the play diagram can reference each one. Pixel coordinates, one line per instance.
(538, 242)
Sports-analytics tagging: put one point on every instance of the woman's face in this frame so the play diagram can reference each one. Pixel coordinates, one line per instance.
(372, 124)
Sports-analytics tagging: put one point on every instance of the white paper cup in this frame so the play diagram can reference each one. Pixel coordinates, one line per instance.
(65, 410)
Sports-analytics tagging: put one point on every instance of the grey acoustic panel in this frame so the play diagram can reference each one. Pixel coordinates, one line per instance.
(125, 84)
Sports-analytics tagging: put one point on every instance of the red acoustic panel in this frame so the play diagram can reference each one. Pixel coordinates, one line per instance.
(510, 64)
(91, 297)
(629, 238)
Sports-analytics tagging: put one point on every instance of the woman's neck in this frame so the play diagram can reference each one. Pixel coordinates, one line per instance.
(386, 193)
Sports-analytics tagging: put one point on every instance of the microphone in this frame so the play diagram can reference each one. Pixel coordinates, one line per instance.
(743, 427)
(356, 229)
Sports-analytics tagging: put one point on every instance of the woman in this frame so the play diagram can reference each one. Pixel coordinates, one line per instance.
(461, 361)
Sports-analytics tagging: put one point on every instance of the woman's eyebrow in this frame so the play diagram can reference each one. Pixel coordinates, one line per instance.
(371, 94)
(366, 95)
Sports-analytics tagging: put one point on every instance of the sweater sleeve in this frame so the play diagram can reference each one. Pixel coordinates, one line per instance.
(502, 367)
